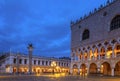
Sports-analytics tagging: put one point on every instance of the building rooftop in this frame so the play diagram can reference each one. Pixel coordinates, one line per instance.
(96, 10)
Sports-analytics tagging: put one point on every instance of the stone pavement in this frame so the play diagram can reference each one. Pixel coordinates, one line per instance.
(55, 78)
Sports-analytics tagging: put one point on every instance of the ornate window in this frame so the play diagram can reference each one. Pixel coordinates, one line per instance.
(115, 24)
(85, 34)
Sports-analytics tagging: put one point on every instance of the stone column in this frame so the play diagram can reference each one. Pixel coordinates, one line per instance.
(99, 54)
(83, 56)
(41, 62)
(88, 70)
(71, 71)
(78, 56)
(30, 50)
(23, 61)
(88, 55)
(98, 69)
(93, 55)
(79, 69)
(113, 52)
(105, 52)
(112, 73)
(11, 69)
(73, 57)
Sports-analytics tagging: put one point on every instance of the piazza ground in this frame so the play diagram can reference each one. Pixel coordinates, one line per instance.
(55, 77)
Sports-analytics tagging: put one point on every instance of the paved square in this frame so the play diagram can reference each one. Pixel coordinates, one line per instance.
(54, 78)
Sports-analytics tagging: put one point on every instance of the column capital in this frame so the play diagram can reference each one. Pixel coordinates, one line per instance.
(113, 66)
(113, 53)
(30, 47)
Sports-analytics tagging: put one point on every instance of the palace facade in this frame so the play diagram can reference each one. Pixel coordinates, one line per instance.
(19, 63)
(95, 41)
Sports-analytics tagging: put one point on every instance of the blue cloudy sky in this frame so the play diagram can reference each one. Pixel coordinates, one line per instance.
(45, 23)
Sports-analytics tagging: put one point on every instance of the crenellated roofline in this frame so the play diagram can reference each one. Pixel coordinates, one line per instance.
(96, 10)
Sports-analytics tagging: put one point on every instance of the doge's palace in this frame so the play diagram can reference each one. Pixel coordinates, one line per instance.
(95, 41)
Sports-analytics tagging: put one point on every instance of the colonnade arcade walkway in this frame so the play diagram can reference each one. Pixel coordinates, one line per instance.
(100, 58)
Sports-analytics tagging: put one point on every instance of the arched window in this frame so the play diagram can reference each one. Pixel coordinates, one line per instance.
(115, 23)
(85, 34)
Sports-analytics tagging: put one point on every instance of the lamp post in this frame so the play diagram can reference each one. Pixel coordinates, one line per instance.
(53, 64)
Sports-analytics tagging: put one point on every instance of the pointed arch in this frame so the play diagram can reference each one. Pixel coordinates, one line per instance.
(83, 69)
(93, 68)
(102, 53)
(106, 68)
(117, 68)
(86, 34)
(115, 23)
(75, 69)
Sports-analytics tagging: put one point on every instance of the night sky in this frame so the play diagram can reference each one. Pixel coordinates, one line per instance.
(44, 23)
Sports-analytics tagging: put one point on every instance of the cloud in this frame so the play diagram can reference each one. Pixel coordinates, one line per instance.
(45, 23)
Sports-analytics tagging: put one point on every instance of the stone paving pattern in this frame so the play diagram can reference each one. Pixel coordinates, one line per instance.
(54, 78)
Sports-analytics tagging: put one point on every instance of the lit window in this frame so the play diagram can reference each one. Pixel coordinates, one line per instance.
(118, 47)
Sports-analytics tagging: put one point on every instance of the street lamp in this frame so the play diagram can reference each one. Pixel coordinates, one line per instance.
(53, 64)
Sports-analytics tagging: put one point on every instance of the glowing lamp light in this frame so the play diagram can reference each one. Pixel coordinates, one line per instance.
(53, 64)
